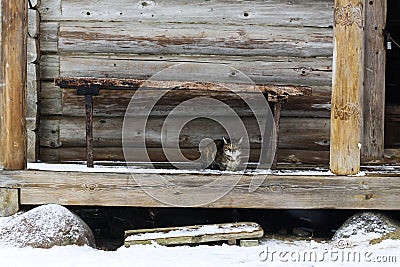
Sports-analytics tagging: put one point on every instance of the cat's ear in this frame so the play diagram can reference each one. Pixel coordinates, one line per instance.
(240, 140)
(225, 141)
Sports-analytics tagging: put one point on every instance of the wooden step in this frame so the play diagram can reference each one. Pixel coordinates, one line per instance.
(194, 234)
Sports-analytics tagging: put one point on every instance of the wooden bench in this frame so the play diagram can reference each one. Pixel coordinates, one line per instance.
(89, 87)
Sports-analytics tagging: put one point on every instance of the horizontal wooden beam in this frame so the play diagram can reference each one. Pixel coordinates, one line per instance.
(275, 192)
(133, 84)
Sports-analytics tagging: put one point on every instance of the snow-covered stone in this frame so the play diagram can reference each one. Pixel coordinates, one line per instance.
(44, 227)
(364, 227)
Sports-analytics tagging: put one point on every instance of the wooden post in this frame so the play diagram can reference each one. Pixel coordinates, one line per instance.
(347, 87)
(14, 61)
(374, 82)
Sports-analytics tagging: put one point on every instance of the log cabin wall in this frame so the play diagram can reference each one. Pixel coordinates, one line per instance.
(277, 41)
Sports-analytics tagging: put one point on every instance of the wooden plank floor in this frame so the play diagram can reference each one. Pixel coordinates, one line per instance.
(373, 191)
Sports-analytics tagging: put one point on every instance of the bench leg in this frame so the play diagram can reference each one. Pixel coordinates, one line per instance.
(89, 130)
(277, 120)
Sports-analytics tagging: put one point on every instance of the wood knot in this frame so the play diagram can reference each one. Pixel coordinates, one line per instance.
(276, 188)
(303, 70)
(90, 187)
(369, 196)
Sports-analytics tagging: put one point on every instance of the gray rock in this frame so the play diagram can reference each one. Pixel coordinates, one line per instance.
(44, 227)
(363, 227)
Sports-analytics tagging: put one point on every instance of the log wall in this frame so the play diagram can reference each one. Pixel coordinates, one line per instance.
(277, 41)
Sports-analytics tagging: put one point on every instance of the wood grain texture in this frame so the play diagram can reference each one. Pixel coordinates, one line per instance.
(188, 84)
(32, 112)
(275, 192)
(194, 234)
(139, 38)
(317, 13)
(33, 23)
(14, 66)
(273, 42)
(286, 157)
(1, 96)
(114, 103)
(33, 50)
(347, 87)
(261, 69)
(296, 133)
(374, 82)
(316, 105)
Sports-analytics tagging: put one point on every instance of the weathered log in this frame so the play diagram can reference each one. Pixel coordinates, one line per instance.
(261, 69)
(275, 192)
(140, 38)
(296, 133)
(286, 157)
(374, 82)
(317, 13)
(14, 66)
(347, 87)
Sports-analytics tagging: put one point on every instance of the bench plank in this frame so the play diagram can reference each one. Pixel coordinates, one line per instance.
(194, 234)
(133, 84)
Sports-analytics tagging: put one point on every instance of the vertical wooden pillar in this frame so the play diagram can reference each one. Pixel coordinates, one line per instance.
(14, 61)
(374, 82)
(347, 87)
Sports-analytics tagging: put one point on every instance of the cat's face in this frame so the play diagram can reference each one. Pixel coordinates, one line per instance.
(233, 149)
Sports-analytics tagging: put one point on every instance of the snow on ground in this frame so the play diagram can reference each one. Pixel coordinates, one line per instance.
(270, 253)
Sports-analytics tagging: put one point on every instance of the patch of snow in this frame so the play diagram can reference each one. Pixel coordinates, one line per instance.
(138, 170)
(305, 173)
(269, 253)
(327, 106)
(359, 174)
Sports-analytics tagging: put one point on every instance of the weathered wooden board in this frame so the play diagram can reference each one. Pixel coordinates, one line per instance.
(32, 112)
(194, 234)
(275, 192)
(296, 133)
(48, 36)
(111, 103)
(13, 68)
(1, 95)
(115, 103)
(374, 82)
(285, 156)
(33, 23)
(261, 69)
(194, 82)
(316, 105)
(140, 38)
(317, 13)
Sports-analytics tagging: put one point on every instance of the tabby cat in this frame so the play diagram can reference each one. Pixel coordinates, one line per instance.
(225, 155)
